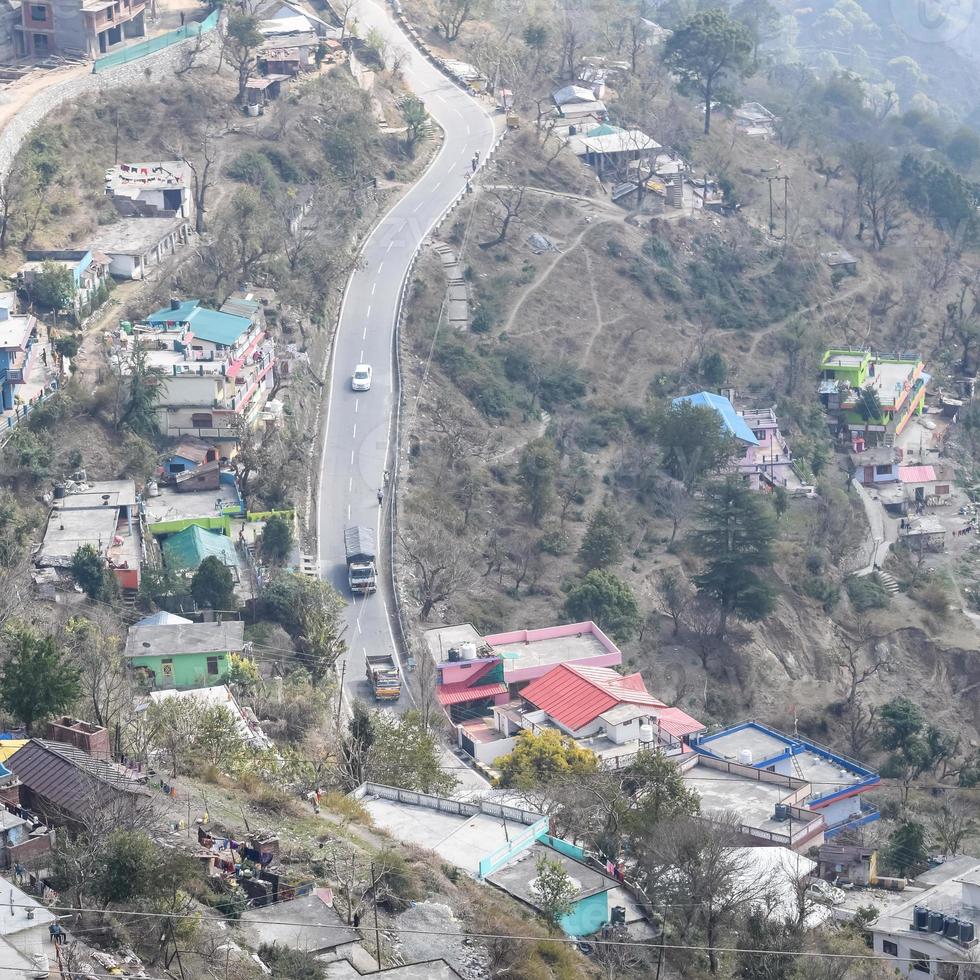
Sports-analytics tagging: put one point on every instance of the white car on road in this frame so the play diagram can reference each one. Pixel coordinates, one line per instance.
(361, 381)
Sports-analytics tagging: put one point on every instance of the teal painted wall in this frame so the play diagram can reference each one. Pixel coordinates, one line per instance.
(589, 916)
(189, 669)
(572, 850)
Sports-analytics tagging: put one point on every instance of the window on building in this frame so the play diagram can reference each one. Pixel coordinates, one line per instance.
(39, 13)
(884, 470)
(920, 960)
(213, 666)
(890, 948)
(201, 420)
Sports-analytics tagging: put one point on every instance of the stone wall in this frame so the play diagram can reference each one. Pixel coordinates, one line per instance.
(152, 68)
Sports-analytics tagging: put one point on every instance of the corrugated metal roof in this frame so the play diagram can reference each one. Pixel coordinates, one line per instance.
(205, 324)
(732, 421)
(461, 693)
(678, 723)
(69, 778)
(574, 696)
(916, 474)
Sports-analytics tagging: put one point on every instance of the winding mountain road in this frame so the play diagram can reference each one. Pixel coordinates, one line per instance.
(359, 429)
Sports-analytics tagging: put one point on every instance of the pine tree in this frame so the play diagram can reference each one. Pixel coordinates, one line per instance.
(735, 542)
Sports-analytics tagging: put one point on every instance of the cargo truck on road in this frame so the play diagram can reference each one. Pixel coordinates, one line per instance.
(384, 677)
(362, 573)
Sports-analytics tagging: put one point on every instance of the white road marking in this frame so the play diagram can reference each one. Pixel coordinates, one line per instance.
(417, 206)
(351, 463)
(348, 512)
(374, 286)
(350, 484)
(354, 434)
(391, 245)
(362, 356)
(358, 624)
(357, 402)
(381, 265)
(364, 332)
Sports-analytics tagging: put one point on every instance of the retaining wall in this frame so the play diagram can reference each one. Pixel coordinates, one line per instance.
(153, 67)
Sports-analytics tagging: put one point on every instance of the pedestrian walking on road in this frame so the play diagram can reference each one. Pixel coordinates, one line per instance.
(386, 477)
(381, 497)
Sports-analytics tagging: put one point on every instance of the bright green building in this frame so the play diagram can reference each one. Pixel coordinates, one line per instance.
(183, 654)
(872, 393)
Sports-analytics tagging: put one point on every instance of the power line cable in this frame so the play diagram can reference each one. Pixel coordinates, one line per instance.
(567, 941)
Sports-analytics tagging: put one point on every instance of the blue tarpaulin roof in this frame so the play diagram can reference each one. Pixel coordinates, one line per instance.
(205, 324)
(185, 550)
(732, 421)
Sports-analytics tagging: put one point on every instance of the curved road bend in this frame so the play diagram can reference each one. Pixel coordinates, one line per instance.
(359, 427)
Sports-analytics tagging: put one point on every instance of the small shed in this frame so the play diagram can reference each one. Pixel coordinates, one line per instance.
(260, 91)
(841, 259)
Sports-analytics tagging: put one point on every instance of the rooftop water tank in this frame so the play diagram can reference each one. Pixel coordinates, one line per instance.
(745, 757)
(936, 921)
(968, 932)
(646, 733)
(468, 651)
(920, 918)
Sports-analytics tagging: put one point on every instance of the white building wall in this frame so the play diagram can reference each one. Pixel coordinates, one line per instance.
(919, 941)
(125, 266)
(840, 810)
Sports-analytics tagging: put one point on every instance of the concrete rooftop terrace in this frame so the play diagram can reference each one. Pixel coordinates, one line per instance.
(518, 876)
(135, 235)
(465, 834)
(826, 773)
(527, 654)
(753, 803)
(750, 796)
(173, 506)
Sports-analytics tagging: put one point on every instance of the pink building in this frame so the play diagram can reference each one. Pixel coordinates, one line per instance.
(768, 462)
(485, 682)
(477, 672)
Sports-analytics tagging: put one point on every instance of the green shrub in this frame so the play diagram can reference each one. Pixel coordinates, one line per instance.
(867, 592)
(659, 251)
(934, 596)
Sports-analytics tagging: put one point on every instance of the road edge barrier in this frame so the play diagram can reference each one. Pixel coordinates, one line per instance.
(403, 639)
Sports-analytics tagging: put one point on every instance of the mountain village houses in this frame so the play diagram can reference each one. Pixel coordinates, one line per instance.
(214, 370)
(215, 367)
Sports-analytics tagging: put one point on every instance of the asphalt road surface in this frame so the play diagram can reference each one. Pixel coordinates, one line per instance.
(358, 442)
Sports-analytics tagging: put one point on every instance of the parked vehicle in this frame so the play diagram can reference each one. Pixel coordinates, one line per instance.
(362, 573)
(384, 677)
(824, 893)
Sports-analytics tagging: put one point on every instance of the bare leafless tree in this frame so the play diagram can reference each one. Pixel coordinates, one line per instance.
(199, 151)
(510, 192)
(440, 563)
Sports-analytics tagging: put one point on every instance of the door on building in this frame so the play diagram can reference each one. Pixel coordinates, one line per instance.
(39, 42)
(166, 673)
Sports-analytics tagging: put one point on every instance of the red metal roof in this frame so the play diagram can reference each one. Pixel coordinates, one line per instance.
(678, 723)
(574, 696)
(916, 474)
(460, 693)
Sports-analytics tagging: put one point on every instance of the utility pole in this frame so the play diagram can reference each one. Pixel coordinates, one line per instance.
(340, 692)
(785, 206)
(772, 224)
(377, 931)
